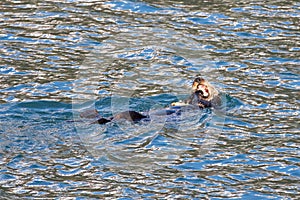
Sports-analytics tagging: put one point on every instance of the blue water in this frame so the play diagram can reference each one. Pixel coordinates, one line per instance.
(60, 58)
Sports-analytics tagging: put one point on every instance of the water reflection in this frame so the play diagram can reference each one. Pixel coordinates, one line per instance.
(56, 55)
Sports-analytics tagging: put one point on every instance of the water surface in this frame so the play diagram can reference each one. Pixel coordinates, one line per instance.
(58, 58)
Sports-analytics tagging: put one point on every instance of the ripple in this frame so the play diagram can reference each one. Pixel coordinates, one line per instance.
(58, 57)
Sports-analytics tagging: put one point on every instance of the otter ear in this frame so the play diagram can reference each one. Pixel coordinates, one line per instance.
(199, 79)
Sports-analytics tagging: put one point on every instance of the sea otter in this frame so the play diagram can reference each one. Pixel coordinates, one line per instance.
(203, 95)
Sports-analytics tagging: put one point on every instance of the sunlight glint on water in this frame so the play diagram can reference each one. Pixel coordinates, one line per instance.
(60, 57)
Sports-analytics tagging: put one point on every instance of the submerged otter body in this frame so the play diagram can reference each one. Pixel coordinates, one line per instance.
(204, 95)
(130, 115)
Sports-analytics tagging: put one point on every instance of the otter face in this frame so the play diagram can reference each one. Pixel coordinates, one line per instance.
(202, 88)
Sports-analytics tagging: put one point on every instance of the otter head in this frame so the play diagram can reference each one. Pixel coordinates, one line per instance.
(202, 88)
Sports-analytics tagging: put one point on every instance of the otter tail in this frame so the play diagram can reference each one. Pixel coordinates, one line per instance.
(103, 121)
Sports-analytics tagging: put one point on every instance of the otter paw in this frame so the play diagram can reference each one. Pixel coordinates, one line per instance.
(180, 103)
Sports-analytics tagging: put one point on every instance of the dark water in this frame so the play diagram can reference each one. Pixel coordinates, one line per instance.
(58, 58)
